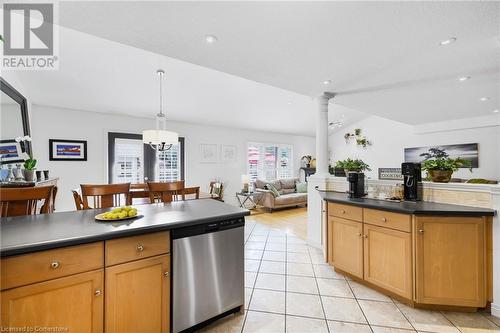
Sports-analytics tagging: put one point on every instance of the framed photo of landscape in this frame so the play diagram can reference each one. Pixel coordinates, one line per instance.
(10, 152)
(67, 150)
(467, 151)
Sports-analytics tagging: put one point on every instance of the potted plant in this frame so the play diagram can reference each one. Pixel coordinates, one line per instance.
(352, 165)
(29, 169)
(440, 166)
(306, 159)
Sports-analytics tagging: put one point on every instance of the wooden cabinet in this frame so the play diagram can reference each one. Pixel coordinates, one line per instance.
(73, 302)
(388, 259)
(138, 296)
(347, 245)
(450, 261)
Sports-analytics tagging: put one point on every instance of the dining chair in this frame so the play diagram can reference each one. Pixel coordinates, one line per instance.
(192, 190)
(217, 190)
(105, 195)
(166, 191)
(78, 198)
(25, 201)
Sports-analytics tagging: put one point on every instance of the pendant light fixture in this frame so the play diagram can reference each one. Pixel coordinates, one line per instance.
(160, 139)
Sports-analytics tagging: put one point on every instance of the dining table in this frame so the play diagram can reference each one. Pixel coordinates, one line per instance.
(140, 195)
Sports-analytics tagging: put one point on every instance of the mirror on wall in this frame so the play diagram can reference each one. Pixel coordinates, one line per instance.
(14, 123)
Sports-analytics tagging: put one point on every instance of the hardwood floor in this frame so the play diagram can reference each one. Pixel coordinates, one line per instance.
(292, 221)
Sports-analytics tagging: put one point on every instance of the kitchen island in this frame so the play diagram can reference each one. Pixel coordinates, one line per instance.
(67, 272)
(425, 254)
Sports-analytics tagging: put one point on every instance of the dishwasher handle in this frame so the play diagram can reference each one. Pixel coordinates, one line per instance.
(206, 228)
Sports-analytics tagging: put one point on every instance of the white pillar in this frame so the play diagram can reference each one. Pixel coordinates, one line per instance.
(315, 231)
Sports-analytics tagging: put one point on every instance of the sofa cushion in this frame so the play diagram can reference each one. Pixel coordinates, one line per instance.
(301, 187)
(291, 199)
(276, 184)
(260, 184)
(288, 183)
(286, 191)
(273, 190)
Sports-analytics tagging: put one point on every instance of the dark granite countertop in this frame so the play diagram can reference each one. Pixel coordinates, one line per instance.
(407, 207)
(24, 234)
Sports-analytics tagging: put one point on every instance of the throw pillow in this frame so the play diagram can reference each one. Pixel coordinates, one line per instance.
(273, 190)
(301, 187)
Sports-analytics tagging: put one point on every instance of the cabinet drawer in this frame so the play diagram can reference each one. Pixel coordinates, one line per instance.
(46, 265)
(136, 247)
(387, 219)
(345, 211)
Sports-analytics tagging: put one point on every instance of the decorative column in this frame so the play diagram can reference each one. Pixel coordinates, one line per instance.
(315, 227)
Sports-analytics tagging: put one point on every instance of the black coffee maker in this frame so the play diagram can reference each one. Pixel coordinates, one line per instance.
(412, 181)
(356, 184)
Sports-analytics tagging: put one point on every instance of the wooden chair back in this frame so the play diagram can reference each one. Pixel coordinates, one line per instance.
(25, 201)
(139, 194)
(78, 198)
(105, 195)
(217, 190)
(192, 190)
(166, 192)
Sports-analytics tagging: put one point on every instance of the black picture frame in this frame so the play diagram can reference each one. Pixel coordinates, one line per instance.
(23, 104)
(51, 150)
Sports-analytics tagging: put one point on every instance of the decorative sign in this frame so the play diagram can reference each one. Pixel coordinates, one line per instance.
(467, 151)
(390, 174)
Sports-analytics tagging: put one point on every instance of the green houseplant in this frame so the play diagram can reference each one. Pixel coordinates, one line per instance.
(440, 166)
(352, 165)
(29, 169)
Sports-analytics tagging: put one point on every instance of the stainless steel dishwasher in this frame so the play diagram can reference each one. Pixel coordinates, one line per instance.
(208, 272)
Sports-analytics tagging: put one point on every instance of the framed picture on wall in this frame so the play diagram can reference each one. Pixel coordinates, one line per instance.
(67, 150)
(10, 152)
(208, 152)
(467, 151)
(228, 153)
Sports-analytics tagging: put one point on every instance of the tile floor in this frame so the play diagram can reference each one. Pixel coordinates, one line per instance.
(288, 288)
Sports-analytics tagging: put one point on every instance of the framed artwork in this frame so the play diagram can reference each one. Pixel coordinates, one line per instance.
(67, 150)
(228, 153)
(467, 151)
(10, 152)
(208, 152)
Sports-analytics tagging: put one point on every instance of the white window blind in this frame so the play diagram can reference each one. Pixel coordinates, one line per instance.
(129, 161)
(168, 165)
(269, 161)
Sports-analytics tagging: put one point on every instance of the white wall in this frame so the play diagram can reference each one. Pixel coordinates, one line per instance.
(391, 137)
(56, 123)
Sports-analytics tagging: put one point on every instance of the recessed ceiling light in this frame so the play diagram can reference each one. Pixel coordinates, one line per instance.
(448, 41)
(327, 81)
(484, 99)
(463, 78)
(495, 111)
(210, 39)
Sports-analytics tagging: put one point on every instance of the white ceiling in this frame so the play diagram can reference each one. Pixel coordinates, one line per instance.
(383, 58)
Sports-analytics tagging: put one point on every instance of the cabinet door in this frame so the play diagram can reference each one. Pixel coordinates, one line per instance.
(347, 246)
(138, 296)
(74, 302)
(388, 259)
(450, 261)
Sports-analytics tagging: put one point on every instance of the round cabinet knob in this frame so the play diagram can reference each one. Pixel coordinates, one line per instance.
(342, 211)
(360, 235)
(55, 265)
(97, 292)
(384, 219)
(421, 231)
(365, 236)
(166, 274)
(140, 248)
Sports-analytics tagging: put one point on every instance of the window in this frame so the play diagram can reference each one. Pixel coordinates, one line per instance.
(269, 161)
(130, 160)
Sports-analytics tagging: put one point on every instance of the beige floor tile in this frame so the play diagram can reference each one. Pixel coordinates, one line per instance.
(494, 319)
(294, 268)
(472, 322)
(260, 322)
(305, 325)
(342, 309)
(270, 281)
(252, 265)
(248, 295)
(276, 239)
(275, 247)
(295, 240)
(274, 256)
(364, 292)
(304, 305)
(341, 327)
(326, 272)
(379, 329)
(268, 301)
(298, 257)
(260, 232)
(230, 324)
(428, 321)
(299, 248)
(275, 267)
(334, 287)
(254, 245)
(301, 284)
(250, 279)
(258, 238)
(383, 314)
(318, 259)
(253, 254)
